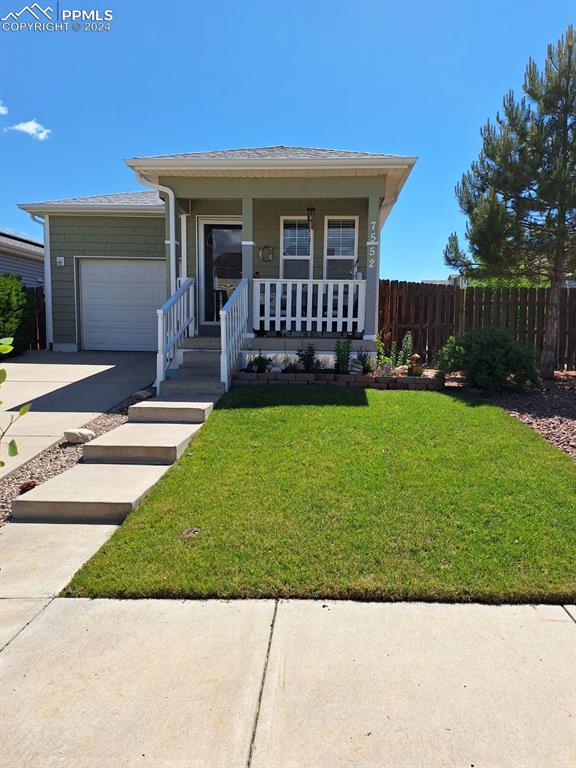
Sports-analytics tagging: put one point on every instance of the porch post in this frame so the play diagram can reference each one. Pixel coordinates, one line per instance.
(372, 269)
(248, 254)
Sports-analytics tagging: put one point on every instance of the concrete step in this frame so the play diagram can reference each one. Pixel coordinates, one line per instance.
(201, 362)
(172, 411)
(141, 444)
(201, 342)
(190, 387)
(88, 493)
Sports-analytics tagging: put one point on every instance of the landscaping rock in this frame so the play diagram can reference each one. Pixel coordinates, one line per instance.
(143, 394)
(78, 436)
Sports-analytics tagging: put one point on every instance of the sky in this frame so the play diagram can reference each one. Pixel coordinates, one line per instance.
(408, 78)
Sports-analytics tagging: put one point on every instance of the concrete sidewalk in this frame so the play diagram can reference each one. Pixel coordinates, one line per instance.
(66, 391)
(294, 684)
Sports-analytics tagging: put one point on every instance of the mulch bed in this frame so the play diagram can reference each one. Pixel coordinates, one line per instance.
(56, 459)
(550, 411)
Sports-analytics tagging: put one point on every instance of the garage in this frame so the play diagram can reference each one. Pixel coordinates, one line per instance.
(118, 303)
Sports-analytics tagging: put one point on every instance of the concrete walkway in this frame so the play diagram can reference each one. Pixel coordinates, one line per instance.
(295, 684)
(66, 390)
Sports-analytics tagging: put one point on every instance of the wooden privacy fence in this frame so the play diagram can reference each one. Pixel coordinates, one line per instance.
(38, 339)
(435, 312)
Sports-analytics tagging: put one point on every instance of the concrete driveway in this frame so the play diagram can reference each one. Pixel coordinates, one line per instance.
(66, 390)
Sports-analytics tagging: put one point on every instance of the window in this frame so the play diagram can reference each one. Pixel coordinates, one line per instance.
(340, 247)
(295, 248)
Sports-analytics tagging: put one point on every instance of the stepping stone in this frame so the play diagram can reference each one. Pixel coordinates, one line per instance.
(88, 493)
(141, 444)
(167, 411)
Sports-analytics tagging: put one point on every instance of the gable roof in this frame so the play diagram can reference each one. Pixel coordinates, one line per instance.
(279, 152)
(16, 244)
(148, 201)
(270, 161)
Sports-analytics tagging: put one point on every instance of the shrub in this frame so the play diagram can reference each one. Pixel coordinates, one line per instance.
(365, 359)
(490, 359)
(343, 353)
(260, 363)
(16, 312)
(307, 357)
(406, 349)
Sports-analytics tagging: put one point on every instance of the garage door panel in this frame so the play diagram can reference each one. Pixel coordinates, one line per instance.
(119, 299)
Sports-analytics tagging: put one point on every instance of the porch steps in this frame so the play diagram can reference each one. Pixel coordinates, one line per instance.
(200, 362)
(171, 411)
(88, 493)
(185, 384)
(141, 444)
(201, 342)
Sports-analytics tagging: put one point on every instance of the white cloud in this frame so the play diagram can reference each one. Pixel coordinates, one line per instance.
(3, 108)
(32, 128)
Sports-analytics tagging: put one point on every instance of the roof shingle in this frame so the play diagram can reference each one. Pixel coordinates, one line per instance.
(275, 153)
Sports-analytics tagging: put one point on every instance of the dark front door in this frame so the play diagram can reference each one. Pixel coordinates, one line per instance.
(222, 266)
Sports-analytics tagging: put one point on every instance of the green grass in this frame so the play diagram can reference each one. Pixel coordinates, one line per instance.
(304, 491)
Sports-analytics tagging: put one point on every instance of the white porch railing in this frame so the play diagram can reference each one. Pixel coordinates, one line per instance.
(233, 330)
(321, 306)
(176, 318)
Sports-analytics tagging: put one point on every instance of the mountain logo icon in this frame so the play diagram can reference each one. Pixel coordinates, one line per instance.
(34, 10)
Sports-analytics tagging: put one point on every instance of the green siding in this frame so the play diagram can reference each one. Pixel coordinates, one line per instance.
(104, 236)
(267, 215)
(205, 208)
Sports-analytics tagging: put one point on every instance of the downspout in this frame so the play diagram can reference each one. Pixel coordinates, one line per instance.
(171, 224)
(47, 278)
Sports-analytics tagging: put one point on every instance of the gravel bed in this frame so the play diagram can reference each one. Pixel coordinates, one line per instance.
(550, 411)
(56, 459)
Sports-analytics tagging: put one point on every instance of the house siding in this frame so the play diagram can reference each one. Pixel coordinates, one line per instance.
(31, 271)
(206, 208)
(267, 213)
(95, 236)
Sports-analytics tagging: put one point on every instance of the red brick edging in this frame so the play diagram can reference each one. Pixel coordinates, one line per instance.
(243, 379)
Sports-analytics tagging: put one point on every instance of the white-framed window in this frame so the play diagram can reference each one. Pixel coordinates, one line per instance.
(340, 247)
(296, 248)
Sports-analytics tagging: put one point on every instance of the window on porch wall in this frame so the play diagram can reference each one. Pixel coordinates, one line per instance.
(296, 248)
(340, 247)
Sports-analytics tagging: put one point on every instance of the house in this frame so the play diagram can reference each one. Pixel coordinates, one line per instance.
(22, 255)
(225, 252)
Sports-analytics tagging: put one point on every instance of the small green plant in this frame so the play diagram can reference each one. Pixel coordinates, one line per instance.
(343, 354)
(365, 359)
(260, 363)
(307, 357)
(489, 359)
(406, 349)
(385, 350)
(5, 349)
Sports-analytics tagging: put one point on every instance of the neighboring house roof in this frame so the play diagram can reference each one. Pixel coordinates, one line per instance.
(127, 202)
(21, 255)
(21, 245)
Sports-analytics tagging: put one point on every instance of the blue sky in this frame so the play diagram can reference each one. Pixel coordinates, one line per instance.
(415, 78)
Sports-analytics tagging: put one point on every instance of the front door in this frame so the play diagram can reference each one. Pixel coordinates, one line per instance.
(220, 266)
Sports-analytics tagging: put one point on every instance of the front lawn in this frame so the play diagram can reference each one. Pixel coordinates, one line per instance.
(316, 491)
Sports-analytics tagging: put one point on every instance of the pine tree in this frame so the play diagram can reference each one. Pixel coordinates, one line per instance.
(520, 195)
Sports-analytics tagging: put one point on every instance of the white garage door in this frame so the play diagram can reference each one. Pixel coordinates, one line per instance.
(119, 299)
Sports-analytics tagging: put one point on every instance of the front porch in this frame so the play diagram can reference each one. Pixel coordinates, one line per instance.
(259, 272)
